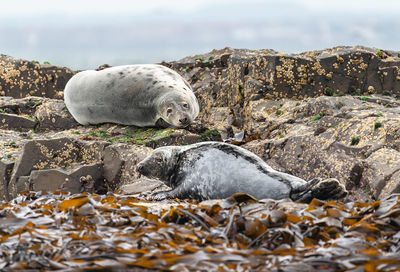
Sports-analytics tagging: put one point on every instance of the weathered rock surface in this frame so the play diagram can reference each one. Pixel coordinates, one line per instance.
(332, 113)
(6, 167)
(120, 161)
(52, 114)
(21, 78)
(356, 141)
(83, 178)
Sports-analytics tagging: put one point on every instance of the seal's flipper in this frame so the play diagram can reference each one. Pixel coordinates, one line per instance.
(304, 193)
(329, 189)
(320, 189)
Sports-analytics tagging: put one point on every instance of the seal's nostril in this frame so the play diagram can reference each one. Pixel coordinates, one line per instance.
(183, 120)
(139, 168)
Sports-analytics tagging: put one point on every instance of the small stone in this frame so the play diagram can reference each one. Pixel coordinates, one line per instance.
(371, 89)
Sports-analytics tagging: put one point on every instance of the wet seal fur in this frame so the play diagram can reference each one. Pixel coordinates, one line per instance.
(215, 170)
(140, 95)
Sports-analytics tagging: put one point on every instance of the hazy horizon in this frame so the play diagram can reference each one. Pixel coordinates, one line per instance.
(86, 34)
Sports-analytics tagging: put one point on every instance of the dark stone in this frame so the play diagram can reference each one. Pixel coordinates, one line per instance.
(73, 181)
(6, 167)
(21, 106)
(13, 121)
(22, 185)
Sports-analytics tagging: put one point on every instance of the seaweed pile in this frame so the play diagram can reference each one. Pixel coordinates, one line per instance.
(63, 231)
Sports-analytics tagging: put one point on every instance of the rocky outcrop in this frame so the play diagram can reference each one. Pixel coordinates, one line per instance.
(345, 137)
(21, 78)
(234, 78)
(333, 113)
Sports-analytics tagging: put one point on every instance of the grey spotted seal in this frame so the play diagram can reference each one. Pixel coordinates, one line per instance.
(215, 170)
(140, 95)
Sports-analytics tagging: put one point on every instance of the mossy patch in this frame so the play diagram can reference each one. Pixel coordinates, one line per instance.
(34, 104)
(377, 125)
(355, 140)
(240, 89)
(199, 59)
(99, 134)
(318, 116)
(329, 91)
(364, 98)
(210, 135)
(33, 118)
(141, 136)
(379, 53)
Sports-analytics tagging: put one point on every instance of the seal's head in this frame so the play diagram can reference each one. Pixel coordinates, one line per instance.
(179, 110)
(160, 164)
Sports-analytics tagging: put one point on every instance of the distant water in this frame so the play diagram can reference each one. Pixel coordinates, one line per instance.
(86, 41)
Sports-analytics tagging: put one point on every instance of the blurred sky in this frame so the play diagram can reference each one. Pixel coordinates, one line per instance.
(87, 33)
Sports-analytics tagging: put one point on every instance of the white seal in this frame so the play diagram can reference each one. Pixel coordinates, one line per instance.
(140, 95)
(212, 170)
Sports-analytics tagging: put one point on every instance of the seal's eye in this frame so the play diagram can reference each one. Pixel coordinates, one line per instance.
(158, 160)
(169, 111)
(185, 105)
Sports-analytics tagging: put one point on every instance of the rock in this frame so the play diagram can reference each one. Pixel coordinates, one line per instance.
(83, 178)
(21, 185)
(173, 137)
(344, 137)
(392, 185)
(21, 78)
(13, 121)
(220, 117)
(23, 106)
(35, 113)
(380, 172)
(143, 185)
(52, 114)
(102, 67)
(92, 152)
(6, 167)
(120, 163)
(8, 105)
(248, 75)
(43, 154)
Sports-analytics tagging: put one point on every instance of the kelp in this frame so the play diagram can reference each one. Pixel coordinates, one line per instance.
(59, 231)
